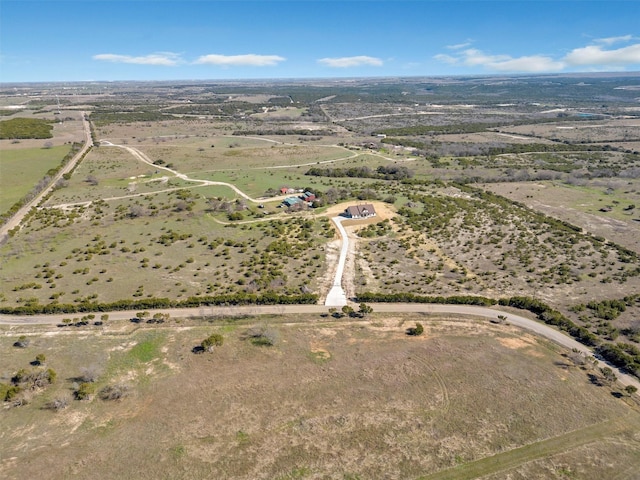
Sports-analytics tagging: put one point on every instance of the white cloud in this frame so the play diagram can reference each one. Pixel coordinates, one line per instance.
(612, 40)
(240, 60)
(166, 59)
(595, 55)
(459, 46)
(346, 62)
(447, 59)
(502, 63)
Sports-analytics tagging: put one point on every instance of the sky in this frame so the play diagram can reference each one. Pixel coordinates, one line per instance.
(98, 40)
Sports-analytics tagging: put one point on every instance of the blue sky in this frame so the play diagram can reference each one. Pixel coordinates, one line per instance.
(199, 39)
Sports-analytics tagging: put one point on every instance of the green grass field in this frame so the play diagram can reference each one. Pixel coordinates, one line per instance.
(21, 170)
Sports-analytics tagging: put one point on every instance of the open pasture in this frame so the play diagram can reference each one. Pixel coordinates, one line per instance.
(235, 156)
(21, 170)
(330, 399)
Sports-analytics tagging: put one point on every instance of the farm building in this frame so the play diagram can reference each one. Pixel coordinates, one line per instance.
(360, 211)
(291, 201)
(308, 197)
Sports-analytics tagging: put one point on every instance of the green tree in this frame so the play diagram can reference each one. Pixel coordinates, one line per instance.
(630, 389)
(213, 340)
(347, 310)
(415, 331)
(40, 359)
(365, 309)
(85, 390)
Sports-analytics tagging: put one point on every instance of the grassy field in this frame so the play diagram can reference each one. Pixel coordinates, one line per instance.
(331, 399)
(21, 169)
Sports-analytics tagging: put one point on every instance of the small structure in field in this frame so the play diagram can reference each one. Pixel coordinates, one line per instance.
(360, 211)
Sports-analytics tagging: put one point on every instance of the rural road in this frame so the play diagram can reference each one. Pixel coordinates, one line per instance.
(16, 220)
(484, 312)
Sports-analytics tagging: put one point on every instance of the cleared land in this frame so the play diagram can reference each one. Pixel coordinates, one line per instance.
(331, 399)
(21, 170)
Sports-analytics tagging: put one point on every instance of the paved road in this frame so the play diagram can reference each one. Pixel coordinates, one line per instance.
(16, 220)
(526, 323)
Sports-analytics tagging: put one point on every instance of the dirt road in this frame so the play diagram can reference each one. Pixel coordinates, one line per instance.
(538, 328)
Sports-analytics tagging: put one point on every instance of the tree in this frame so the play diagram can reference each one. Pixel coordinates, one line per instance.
(347, 310)
(104, 317)
(23, 342)
(85, 391)
(608, 376)
(213, 340)
(630, 389)
(365, 309)
(40, 359)
(415, 331)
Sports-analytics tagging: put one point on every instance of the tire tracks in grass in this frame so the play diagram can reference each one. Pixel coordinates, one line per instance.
(446, 401)
(543, 449)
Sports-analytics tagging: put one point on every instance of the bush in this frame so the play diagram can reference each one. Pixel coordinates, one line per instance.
(85, 391)
(262, 335)
(114, 392)
(415, 331)
(58, 403)
(213, 340)
(23, 342)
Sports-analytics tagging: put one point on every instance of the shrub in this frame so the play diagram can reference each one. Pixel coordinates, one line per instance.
(85, 391)
(213, 340)
(415, 331)
(262, 335)
(114, 392)
(58, 403)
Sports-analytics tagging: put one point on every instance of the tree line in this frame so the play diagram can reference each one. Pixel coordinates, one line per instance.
(240, 298)
(390, 172)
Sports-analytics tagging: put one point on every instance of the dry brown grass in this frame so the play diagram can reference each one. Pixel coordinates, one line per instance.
(333, 400)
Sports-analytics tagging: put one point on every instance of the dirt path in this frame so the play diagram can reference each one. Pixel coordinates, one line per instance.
(543, 449)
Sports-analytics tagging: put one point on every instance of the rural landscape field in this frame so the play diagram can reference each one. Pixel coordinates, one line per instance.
(170, 256)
